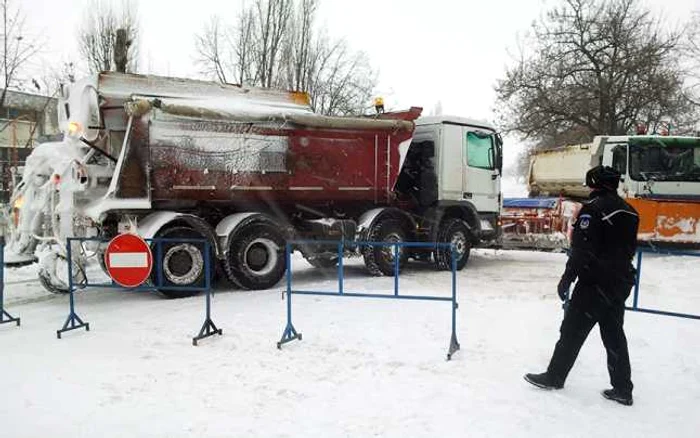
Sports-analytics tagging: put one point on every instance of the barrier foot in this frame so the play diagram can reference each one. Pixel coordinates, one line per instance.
(6, 317)
(454, 346)
(208, 329)
(290, 334)
(72, 323)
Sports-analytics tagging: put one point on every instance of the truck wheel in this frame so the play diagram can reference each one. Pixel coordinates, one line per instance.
(456, 232)
(255, 258)
(50, 279)
(100, 254)
(49, 285)
(182, 263)
(380, 259)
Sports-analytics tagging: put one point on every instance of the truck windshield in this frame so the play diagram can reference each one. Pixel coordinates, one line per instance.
(670, 159)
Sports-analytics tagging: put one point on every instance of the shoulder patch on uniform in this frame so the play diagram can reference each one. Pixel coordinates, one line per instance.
(584, 221)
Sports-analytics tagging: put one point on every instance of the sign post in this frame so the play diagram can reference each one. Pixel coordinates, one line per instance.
(129, 262)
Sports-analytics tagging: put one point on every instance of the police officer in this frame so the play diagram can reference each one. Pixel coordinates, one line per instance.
(603, 244)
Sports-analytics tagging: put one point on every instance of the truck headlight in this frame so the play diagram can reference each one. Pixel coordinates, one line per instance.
(75, 129)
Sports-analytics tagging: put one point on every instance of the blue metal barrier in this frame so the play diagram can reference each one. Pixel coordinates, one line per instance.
(75, 322)
(635, 300)
(5, 317)
(290, 333)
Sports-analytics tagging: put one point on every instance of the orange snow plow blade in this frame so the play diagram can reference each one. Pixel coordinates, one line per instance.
(664, 221)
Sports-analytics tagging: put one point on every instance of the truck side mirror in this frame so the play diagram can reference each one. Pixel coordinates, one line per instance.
(499, 153)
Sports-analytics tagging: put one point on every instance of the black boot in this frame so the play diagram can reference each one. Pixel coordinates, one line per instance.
(622, 398)
(543, 381)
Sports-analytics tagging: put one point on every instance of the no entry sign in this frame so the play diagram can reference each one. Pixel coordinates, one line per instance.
(129, 260)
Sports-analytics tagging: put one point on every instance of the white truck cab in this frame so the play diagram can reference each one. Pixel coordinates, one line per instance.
(466, 157)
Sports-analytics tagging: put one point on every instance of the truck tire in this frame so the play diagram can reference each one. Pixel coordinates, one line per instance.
(45, 281)
(51, 282)
(255, 258)
(100, 253)
(182, 263)
(379, 260)
(456, 232)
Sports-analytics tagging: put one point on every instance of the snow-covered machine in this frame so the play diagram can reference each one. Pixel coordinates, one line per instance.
(249, 169)
(660, 178)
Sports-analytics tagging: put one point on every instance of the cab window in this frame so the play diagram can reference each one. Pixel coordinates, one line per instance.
(619, 159)
(480, 150)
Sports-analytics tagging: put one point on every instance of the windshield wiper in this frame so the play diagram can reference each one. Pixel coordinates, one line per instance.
(647, 176)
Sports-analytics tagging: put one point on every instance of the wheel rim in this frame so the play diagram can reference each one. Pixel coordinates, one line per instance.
(388, 251)
(459, 242)
(183, 264)
(260, 256)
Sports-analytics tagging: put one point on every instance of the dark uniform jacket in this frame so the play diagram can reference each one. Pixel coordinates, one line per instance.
(603, 244)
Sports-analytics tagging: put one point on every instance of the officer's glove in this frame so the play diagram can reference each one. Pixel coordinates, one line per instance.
(564, 285)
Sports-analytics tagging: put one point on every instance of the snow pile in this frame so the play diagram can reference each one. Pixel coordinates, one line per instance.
(364, 368)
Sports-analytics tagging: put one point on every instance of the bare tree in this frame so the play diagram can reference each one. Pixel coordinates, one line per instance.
(692, 58)
(211, 47)
(105, 29)
(298, 56)
(243, 44)
(342, 81)
(271, 20)
(17, 47)
(592, 67)
(230, 52)
(275, 44)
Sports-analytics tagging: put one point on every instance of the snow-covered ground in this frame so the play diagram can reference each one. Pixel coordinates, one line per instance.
(364, 368)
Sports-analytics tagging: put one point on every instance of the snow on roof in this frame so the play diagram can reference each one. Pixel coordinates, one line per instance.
(251, 111)
(433, 120)
(124, 86)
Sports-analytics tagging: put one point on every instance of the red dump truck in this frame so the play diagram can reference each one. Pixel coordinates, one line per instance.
(250, 169)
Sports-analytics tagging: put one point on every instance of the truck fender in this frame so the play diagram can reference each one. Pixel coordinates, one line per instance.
(149, 226)
(228, 226)
(370, 217)
(462, 210)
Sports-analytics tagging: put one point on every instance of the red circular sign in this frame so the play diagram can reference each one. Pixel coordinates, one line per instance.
(129, 260)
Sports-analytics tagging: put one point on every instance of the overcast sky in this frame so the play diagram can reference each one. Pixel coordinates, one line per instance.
(426, 51)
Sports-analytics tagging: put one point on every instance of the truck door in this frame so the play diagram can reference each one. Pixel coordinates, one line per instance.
(451, 159)
(615, 156)
(480, 180)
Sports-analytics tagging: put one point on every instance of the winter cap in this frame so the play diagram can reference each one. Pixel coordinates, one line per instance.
(602, 178)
